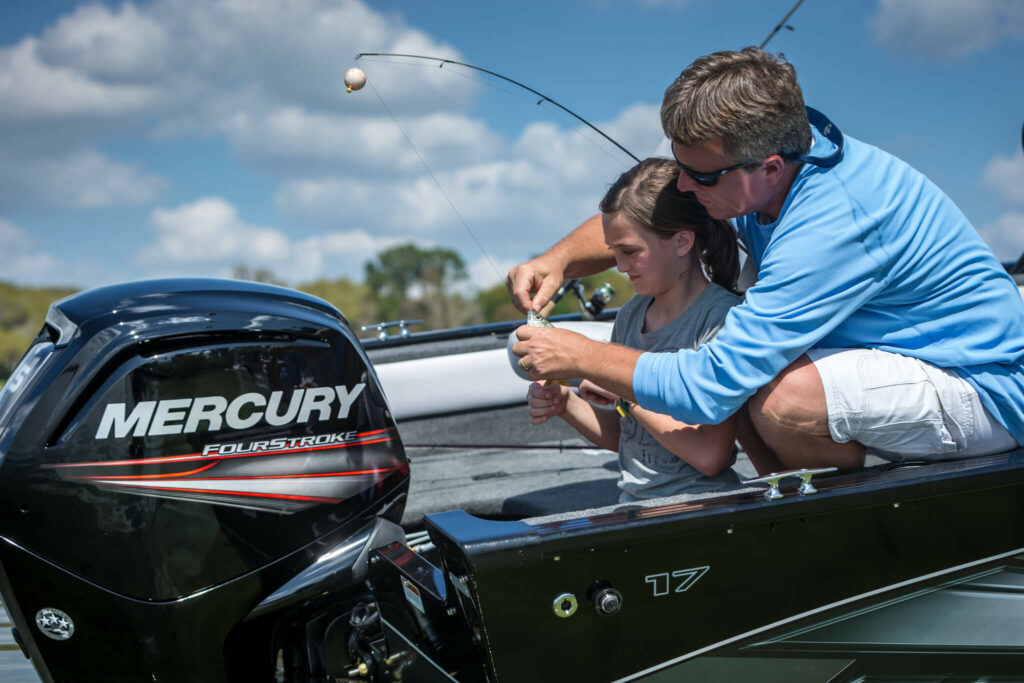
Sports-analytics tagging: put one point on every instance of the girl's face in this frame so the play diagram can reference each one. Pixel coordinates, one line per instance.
(652, 264)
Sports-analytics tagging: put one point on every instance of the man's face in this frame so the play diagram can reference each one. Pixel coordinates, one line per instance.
(734, 194)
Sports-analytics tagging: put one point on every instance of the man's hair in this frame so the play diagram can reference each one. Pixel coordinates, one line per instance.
(649, 195)
(750, 99)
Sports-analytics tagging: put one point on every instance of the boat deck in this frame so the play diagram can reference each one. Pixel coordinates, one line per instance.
(495, 464)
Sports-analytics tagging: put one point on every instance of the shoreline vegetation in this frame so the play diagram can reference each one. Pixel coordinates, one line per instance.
(404, 282)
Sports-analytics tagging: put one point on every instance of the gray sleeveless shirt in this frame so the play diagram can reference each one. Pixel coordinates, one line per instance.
(649, 470)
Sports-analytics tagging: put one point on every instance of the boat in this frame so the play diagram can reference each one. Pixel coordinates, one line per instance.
(206, 480)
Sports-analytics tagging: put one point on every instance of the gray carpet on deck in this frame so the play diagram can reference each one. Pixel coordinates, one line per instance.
(495, 464)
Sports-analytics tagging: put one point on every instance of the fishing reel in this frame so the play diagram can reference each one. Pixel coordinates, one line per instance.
(589, 308)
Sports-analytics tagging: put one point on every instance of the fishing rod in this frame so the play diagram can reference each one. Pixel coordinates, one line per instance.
(542, 96)
(782, 24)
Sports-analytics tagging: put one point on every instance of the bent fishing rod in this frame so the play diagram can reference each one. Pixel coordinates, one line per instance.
(542, 96)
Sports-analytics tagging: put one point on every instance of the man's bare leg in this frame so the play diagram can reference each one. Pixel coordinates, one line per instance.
(791, 418)
(761, 456)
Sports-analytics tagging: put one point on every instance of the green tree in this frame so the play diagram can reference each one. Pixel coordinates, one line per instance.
(496, 306)
(22, 312)
(351, 298)
(408, 282)
(241, 271)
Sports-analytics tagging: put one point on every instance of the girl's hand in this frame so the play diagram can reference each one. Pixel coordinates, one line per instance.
(595, 394)
(546, 402)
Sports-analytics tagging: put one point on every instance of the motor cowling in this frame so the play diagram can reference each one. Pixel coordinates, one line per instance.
(173, 452)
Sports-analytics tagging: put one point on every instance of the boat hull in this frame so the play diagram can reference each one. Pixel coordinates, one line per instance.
(732, 576)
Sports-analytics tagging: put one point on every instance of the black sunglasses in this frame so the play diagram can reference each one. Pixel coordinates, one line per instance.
(710, 178)
(816, 119)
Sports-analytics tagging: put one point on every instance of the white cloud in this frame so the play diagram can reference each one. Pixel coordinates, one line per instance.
(638, 128)
(946, 29)
(11, 238)
(1004, 235)
(304, 48)
(309, 140)
(36, 268)
(209, 230)
(186, 58)
(1005, 177)
(25, 264)
(208, 238)
(517, 203)
(126, 45)
(267, 77)
(336, 253)
(85, 179)
(481, 273)
(31, 89)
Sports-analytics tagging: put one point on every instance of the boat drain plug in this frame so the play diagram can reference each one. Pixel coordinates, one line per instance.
(606, 600)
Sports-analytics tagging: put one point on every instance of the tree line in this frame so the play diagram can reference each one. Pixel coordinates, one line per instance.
(404, 282)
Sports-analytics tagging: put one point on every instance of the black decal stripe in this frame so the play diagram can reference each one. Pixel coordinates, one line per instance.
(245, 494)
(149, 476)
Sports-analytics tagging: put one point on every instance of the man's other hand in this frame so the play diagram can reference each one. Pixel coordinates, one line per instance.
(532, 284)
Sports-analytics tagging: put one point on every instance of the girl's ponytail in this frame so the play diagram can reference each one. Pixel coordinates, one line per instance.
(719, 254)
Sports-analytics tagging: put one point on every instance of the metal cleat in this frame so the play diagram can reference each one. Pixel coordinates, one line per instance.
(382, 328)
(773, 479)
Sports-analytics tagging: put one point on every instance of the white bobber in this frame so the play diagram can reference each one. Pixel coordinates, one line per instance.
(513, 359)
(354, 79)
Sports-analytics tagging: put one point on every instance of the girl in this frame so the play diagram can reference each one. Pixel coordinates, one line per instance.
(665, 242)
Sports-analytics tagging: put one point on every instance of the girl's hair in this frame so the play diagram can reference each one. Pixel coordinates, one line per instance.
(648, 194)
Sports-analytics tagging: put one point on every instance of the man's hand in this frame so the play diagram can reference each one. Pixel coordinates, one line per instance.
(532, 284)
(551, 353)
(580, 253)
(548, 352)
(546, 402)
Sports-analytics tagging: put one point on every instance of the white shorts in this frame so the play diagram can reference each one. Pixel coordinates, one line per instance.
(904, 408)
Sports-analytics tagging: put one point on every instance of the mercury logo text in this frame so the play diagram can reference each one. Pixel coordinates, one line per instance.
(212, 413)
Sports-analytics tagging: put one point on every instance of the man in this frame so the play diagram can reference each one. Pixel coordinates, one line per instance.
(879, 318)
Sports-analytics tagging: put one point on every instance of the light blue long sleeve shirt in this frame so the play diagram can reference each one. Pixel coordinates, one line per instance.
(866, 254)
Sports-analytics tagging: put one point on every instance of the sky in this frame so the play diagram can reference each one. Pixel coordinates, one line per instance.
(171, 138)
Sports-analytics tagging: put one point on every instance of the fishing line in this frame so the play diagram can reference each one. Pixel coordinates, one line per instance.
(436, 181)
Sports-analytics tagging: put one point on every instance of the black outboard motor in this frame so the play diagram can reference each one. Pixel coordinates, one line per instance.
(193, 473)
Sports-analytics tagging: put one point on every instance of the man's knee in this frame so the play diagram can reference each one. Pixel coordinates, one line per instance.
(794, 399)
(791, 416)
